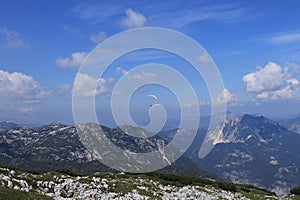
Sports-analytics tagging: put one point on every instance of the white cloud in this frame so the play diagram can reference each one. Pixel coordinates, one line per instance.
(134, 19)
(192, 12)
(26, 110)
(226, 97)
(203, 58)
(98, 37)
(175, 14)
(118, 92)
(141, 77)
(13, 39)
(64, 89)
(74, 60)
(192, 105)
(87, 85)
(19, 86)
(273, 82)
(285, 38)
(121, 70)
(264, 79)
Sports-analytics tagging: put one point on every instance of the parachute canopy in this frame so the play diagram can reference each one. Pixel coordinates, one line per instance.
(152, 96)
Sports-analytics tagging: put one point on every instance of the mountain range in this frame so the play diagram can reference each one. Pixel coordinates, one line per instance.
(248, 149)
(58, 147)
(254, 150)
(292, 124)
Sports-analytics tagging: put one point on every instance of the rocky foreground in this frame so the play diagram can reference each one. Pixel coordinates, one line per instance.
(62, 185)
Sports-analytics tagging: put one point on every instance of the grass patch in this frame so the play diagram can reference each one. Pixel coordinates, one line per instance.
(8, 193)
(226, 186)
(295, 191)
(69, 172)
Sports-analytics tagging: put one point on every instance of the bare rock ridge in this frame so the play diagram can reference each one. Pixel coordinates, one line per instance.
(254, 150)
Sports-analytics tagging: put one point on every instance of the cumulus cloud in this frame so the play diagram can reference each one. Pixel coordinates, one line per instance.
(224, 97)
(144, 76)
(134, 19)
(98, 37)
(273, 82)
(203, 58)
(74, 60)
(227, 97)
(13, 39)
(121, 70)
(141, 77)
(63, 89)
(19, 86)
(87, 85)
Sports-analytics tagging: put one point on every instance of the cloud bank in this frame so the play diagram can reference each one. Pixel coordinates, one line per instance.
(74, 60)
(273, 82)
(87, 86)
(18, 86)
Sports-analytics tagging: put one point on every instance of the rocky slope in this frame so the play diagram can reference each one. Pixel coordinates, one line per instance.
(254, 150)
(57, 147)
(55, 185)
(292, 124)
(4, 126)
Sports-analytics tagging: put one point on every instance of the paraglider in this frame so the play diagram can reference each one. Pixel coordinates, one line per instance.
(153, 96)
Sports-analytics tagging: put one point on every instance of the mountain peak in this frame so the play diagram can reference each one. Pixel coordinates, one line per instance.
(251, 118)
(258, 122)
(247, 127)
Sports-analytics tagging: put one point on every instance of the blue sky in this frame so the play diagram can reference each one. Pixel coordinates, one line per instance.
(255, 44)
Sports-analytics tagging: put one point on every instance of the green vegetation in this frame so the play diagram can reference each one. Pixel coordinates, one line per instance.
(8, 193)
(124, 185)
(177, 180)
(295, 197)
(295, 191)
(69, 172)
(227, 186)
(247, 190)
(144, 184)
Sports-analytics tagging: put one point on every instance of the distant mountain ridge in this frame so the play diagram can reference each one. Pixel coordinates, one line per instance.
(254, 150)
(58, 146)
(292, 124)
(4, 126)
